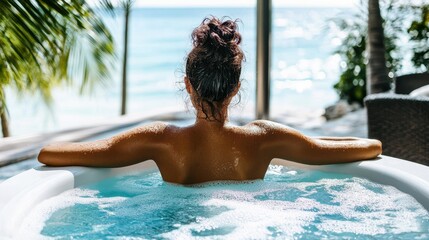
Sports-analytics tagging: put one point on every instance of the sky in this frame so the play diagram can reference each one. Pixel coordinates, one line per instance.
(239, 3)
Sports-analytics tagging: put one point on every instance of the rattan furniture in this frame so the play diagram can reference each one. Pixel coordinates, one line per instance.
(407, 83)
(401, 123)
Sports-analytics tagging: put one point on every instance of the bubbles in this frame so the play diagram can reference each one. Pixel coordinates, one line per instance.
(289, 203)
(34, 223)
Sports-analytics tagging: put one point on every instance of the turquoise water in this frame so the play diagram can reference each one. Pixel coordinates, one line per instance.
(303, 68)
(288, 204)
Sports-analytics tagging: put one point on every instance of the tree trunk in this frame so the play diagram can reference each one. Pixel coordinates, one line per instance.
(376, 71)
(127, 8)
(3, 115)
(4, 123)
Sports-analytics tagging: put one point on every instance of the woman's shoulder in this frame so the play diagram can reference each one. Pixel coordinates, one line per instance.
(260, 127)
(157, 128)
(270, 128)
(266, 125)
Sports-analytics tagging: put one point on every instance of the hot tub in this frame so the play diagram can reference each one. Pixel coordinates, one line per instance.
(20, 194)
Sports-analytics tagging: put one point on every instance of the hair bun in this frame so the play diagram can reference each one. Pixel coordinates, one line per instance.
(213, 67)
(214, 32)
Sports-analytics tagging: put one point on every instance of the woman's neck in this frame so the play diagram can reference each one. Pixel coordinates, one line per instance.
(210, 120)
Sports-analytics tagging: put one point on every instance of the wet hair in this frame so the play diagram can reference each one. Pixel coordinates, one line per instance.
(213, 66)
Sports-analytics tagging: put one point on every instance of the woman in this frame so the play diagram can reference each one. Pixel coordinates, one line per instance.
(211, 149)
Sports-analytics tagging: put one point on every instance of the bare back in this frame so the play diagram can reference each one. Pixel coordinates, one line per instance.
(198, 154)
(201, 152)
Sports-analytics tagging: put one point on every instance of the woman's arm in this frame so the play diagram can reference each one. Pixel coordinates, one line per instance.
(287, 143)
(125, 149)
(339, 150)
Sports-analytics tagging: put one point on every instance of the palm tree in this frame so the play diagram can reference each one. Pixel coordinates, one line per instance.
(376, 71)
(126, 5)
(46, 43)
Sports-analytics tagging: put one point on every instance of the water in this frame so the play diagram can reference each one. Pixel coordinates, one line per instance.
(303, 68)
(288, 204)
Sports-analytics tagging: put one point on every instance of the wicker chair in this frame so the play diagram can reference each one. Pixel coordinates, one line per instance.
(407, 83)
(401, 123)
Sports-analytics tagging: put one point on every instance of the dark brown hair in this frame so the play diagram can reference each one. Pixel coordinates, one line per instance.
(213, 66)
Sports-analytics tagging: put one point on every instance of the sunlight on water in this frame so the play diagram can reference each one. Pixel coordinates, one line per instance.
(289, 203)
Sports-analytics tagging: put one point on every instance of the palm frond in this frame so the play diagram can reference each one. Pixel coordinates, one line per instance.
(39, 40)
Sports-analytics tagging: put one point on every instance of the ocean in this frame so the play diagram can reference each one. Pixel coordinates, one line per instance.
(303, 68)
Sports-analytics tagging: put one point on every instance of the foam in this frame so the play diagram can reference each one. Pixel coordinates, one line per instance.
(283, 207)
(253, 218)
(248, 218)
(35, 221)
